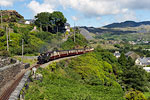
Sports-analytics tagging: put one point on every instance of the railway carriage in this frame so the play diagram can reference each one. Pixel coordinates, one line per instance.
(46, 57)
(64, 53)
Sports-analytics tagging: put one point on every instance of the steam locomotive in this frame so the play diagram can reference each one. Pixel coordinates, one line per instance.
(49, 56)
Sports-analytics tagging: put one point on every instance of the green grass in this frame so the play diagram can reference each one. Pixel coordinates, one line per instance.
(30, 61)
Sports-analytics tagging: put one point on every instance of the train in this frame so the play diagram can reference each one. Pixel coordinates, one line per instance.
(49, 56)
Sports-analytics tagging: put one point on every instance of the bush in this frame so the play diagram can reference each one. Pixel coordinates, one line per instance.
(5, 53)
(80, 42)
(2, 32)
(134, 95)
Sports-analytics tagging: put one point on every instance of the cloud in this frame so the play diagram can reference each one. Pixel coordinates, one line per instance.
(98, 18)
(8, 2)
(75, 18)
(92, 8)
(126, 16)
(36, 7)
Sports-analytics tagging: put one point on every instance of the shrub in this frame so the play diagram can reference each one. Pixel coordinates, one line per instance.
(135, 95)
(2, 32)
(4, 53)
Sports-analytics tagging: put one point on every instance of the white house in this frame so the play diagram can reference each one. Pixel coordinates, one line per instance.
(147, 69)
(117, 54)
(143, 61)
(29, 21)
(67, 27)
(132, 42)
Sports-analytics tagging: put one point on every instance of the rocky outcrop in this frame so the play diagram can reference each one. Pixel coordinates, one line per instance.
(11, 16)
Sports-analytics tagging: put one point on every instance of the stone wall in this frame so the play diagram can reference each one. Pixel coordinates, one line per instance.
(4, 61)
(7, 73)
(16, 92)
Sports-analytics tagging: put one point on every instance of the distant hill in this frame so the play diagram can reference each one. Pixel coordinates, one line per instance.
(127, 24)
(11, 16)
(101, 31)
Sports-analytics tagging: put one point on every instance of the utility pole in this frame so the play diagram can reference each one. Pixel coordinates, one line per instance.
(7, 39)
(9, 34)
(1, 19)
(74, 33)
(22, 49)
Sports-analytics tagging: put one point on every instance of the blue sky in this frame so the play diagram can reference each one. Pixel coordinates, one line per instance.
(95, 13)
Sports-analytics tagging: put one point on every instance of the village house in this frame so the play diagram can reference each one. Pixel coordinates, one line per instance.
(132, 42)
(144, 61)
(132, 54)
(29, 21)
(147, 69)
(67, 27)
(117, 54)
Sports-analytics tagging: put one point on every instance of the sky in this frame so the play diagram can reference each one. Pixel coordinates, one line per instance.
(95, 13)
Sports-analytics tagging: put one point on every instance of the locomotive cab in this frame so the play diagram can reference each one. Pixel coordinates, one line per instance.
(43, 58)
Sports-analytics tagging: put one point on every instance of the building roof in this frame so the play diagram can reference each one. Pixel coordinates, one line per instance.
(145, 60)
(132, 54)
(67, 24)
(129, 53)
(30, 20)
(117, 54)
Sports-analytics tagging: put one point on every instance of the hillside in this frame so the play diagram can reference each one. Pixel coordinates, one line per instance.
(80, 42)
(127, 24)
(11, 16)
(87, 77)
(99, 31)
(86, 33)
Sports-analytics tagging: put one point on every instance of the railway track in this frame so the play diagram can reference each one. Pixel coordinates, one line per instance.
(6, 94)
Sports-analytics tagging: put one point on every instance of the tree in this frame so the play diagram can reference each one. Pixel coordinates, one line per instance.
(58, 20)
(117, 45)
(135, 77)
(122, 60)
(50, 22)
(43, 20)
(2, 32)
(130, 61)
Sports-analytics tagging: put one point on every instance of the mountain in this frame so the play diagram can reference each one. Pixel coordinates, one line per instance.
(127, 24)
(11, 16)
(101, 30)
